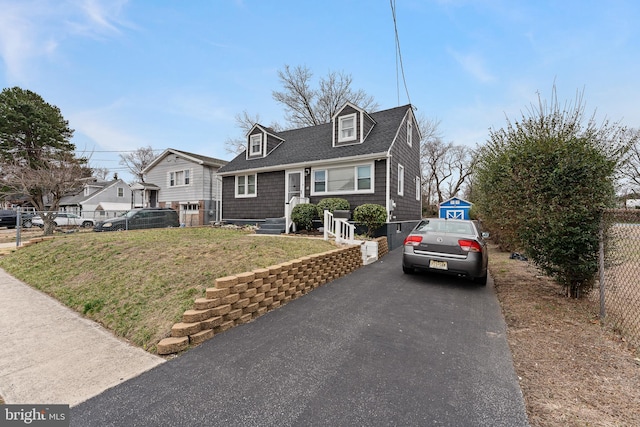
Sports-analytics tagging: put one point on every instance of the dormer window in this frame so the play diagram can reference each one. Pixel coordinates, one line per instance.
(347, 128)
(255, 144)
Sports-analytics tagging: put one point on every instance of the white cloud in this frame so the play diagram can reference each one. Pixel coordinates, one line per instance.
(473, 64)
(103, 127)
(32, 29)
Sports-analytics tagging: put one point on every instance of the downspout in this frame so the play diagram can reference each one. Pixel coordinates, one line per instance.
(219, 197)
(388, 201)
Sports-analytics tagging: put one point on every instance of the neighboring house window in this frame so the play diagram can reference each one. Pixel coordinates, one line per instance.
(246, 186)
(409, 132)
(255, 144)
(180, 178)
(191, 207)
(418, 188)
(120, 192)
(341, 180)
(400, 180)
(347, 128)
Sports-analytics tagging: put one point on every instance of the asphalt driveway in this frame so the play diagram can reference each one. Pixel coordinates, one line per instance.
(374, 348)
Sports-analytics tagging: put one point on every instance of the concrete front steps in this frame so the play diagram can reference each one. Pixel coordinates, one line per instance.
(272, 226)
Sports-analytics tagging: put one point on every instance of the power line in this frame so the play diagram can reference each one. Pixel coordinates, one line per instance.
(398, 55)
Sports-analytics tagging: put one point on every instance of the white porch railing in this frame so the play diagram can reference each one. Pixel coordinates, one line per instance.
(288, 208)
(344, 232)
(338, 228)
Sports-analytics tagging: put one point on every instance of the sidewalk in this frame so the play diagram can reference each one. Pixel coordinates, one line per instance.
(51, 354)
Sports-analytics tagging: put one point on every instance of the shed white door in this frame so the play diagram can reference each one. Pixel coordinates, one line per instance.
(455, 214)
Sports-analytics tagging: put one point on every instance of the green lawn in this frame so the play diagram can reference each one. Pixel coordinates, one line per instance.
(139, 283)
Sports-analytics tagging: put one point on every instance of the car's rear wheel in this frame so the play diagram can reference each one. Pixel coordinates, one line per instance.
(407, 270)
(482, 281)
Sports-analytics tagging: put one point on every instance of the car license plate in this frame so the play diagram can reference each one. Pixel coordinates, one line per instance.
(438, 265)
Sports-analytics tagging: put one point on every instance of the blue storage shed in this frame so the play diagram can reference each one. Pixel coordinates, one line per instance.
(455, 208)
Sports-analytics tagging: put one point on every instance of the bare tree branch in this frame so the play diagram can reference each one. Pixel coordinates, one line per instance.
(137, 161)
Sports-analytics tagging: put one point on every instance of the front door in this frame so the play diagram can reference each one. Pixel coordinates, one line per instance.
(294, 185)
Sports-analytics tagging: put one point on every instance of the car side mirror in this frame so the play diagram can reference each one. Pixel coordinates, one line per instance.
(485, 234)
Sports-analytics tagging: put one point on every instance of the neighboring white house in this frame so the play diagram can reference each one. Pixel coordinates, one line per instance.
(90, 200)
(186, 182)
(632, 204)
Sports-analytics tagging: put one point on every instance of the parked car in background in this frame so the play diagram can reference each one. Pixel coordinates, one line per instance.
(140, 218)
(9, 218)
(64, 219)
(447, 246)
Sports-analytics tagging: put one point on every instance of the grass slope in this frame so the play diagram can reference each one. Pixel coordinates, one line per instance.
(138, 284)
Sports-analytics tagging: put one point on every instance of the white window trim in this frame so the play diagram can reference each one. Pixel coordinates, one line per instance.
(257, 136)
(400, 180)
(246, 195)
(409, 132)
(355, 176)
(185, 172)
(355, 127)
(119, 192)
(418, 188)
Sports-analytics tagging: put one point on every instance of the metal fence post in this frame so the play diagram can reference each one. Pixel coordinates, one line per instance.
(18, 225)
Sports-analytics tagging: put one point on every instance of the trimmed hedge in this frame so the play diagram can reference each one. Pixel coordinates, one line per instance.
(331, 204)
(303, 215)
(371, 215)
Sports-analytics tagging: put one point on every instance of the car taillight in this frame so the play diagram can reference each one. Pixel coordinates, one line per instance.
(470, 246)
(413, 240)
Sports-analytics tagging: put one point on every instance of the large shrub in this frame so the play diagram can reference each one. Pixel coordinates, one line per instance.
(541, 184)
(370, 215)
(331, 204)
(303, 215)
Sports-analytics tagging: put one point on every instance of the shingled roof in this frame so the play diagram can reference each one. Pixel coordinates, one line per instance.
(314, 144)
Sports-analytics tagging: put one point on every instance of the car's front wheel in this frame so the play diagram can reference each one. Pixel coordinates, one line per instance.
(86, 224)
(27, 224)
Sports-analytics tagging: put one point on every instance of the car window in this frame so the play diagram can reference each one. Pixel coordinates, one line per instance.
(443, 226)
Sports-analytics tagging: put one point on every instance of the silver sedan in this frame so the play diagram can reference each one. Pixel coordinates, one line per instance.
(448, 246)
(63, 219)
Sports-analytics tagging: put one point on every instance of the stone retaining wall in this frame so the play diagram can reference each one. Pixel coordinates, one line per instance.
(383, 246)
(237, 299)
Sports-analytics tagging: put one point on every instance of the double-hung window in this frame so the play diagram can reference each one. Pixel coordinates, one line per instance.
(120, 192)
(246, 186)
(400, 180)
(409, 132)
(343, 180)
(180, 178)
(418, 188)
(347, 128)
(255, 145)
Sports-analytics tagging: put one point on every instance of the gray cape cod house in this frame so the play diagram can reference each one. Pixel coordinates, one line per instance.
(359, 156)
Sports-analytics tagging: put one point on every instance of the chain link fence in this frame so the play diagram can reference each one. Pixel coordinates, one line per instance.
(31, 223)
(619, 275)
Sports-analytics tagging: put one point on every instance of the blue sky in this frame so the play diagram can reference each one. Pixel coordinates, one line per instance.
(173, 74)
